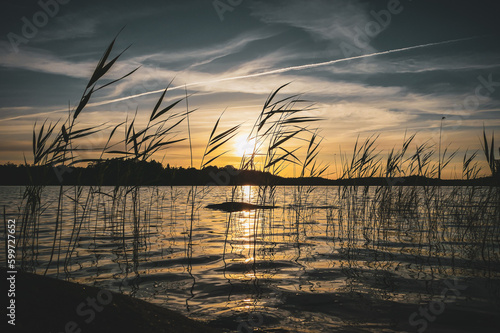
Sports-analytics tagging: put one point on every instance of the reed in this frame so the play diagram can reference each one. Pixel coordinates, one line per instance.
(56, 145)
(463, 220)
(489, 153)
(284, 135)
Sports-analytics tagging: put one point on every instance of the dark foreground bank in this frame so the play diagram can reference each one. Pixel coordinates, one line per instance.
(54, 306)
(50, 305)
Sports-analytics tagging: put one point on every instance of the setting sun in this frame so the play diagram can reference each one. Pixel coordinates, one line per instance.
(243, 146)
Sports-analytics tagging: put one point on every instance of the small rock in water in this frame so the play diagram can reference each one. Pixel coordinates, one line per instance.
(237, 206)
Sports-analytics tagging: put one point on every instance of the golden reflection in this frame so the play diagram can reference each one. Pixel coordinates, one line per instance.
(247, 193)
(244, 226)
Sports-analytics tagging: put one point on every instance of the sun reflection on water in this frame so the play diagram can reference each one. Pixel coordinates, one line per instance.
(242, 261)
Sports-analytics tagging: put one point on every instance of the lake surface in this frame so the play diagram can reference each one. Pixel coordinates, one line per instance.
(326, 259)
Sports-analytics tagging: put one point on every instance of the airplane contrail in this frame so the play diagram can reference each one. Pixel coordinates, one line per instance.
(275, 71)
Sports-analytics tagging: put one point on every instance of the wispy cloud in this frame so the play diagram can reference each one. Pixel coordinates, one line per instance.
(324, 19)
(39, 60)
(419, 63)
(218, 83)
(191, 58)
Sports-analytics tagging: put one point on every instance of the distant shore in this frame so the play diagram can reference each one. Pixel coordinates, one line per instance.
(124, 173)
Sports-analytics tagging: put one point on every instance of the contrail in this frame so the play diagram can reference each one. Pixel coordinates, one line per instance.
(275, 71)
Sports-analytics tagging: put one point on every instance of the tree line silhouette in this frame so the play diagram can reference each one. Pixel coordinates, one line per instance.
(123, 172)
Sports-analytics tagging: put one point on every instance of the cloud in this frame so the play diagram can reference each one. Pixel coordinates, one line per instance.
(39, 60)
(328, 20)
(190, 58)
(419, 63)
(247, 71)
(68, 27)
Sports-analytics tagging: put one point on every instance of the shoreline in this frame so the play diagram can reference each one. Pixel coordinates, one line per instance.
(45, 304)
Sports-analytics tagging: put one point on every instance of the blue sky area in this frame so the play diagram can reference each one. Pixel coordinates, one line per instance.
(444, 61)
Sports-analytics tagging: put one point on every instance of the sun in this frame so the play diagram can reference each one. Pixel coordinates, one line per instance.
(243, 146)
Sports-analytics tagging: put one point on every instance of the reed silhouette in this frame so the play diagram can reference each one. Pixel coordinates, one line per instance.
(374, 227)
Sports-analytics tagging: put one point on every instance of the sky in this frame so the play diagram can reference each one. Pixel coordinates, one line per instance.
(381, 68)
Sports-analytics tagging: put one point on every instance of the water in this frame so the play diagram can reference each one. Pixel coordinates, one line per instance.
(326, 259)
